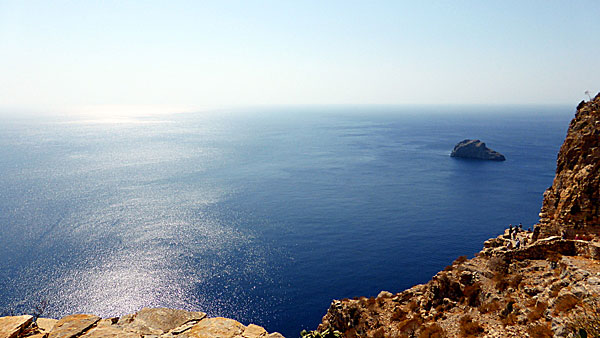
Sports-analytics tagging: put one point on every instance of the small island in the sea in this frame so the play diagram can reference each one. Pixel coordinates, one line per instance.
(476, 149)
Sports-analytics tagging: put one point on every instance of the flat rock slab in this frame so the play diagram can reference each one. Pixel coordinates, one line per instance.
(215, 328)
(46, 324)
(254, 331)
(157, 321)
(109, 332)
(73, 325)
(11, 326)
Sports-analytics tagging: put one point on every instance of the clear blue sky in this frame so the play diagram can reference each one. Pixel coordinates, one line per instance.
(220, 53)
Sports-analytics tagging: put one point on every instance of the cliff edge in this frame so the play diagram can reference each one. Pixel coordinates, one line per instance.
(572, 203)
(544, 283)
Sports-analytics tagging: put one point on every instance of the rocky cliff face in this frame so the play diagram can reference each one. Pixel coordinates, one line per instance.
(541, 287)
(572, 202)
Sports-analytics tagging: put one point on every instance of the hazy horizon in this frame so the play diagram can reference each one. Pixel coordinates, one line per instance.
(79, 57)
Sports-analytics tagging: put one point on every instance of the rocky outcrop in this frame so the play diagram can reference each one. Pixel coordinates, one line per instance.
(475, 149)
(155, 323)
(572, 203)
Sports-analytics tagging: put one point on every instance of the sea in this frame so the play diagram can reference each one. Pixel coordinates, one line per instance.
(260, 214)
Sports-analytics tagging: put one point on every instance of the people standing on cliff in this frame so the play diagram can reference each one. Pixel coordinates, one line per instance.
(520, 227)
(518, 244)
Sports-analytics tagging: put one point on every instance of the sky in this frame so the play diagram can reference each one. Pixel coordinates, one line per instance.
(192, 54)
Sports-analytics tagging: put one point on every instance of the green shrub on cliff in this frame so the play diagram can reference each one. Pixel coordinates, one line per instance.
(329, 333)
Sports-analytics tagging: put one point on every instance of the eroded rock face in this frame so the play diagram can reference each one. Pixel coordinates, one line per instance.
(572, 203)
(476, 149)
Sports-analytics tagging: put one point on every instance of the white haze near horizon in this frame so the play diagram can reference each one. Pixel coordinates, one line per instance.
(112, 59)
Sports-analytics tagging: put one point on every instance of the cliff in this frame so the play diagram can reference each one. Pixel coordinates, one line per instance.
(521, 284)
(571, 204)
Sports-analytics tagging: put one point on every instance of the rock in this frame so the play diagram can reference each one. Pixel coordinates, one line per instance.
(385, 294)
(158, 320)
(46, 324)
(11, 326)
(275, 335)
(72, 326)
(109, 332)
(475, 149)
(254, 331)
(215, 327)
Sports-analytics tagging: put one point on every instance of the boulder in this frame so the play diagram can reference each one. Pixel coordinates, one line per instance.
(11, 326)
(476, 149)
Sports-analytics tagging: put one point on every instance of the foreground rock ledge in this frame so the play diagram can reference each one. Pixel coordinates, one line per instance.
(155, 322)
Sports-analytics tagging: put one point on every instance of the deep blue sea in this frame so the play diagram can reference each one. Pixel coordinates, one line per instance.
(263, 215)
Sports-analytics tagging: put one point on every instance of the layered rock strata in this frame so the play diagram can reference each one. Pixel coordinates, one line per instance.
(572, 203)
(147, 323)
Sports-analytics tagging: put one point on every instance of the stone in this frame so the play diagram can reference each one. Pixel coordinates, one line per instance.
(385, 294)
(254, 331)
(109, 332)
(215, 327)
(11, 326)
(46, 324)
(158, 320)
(475, 149)
(275, 335)
(73, 325)
(593, 281)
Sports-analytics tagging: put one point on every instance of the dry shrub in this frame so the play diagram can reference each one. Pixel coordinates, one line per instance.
(398, 315)
(471, 294)
(515, 280)
(448, 268)
(490, 307)
(509, 320)
(379, 333)
(460, 260)
(498, 264)
(413, 305)
(469, 327)
(540, 331)
(565, 303)
(537, 312)
(409, 327)
(433, 331)
(500, 281)
(553, 256)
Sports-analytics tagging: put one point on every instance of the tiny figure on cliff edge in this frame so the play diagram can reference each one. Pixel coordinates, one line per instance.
(518, 244)
(520, 227)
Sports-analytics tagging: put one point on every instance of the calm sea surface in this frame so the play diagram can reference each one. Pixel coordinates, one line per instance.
(263, 215)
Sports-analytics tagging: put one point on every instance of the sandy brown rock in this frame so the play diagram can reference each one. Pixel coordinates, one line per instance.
(158, 320)
(109, 332)
(254, 331)
(73, 325)
(215, 327)
(11, 326)
(46, 324)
